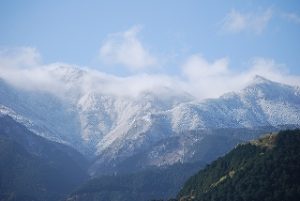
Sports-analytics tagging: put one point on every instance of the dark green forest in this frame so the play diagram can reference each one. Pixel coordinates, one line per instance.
(267, 169)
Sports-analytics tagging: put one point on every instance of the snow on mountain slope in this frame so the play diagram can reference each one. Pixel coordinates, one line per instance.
(82, 113)
(91, 114)
(262, 103)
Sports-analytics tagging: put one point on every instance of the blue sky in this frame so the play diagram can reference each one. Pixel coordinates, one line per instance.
(177, 38)
(73, 31)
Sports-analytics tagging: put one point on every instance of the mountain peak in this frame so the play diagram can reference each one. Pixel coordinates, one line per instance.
(66, 72)
(262, 83)
(257, 79)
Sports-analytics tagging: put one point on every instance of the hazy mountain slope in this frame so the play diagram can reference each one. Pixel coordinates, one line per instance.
(202, 145)
(33, 168)
(37, 145)
(148, 184)
(42, 113)
(265, 169)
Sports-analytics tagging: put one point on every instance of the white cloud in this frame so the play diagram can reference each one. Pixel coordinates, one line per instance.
(196, 66)
(206, 79)
(293, 17)
(200, 77)
(236, 22)
(22, 68)
(98, 82)
(271, 70)
(211, 79)
(19, 57)
(126, 49)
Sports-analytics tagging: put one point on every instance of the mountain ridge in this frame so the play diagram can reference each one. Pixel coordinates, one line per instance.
(114, 128)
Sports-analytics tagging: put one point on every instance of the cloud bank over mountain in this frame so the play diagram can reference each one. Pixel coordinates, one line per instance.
(200, 77)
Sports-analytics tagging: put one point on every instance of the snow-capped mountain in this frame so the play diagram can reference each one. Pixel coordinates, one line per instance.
(155, 124)
(262, 103)
(166, 138)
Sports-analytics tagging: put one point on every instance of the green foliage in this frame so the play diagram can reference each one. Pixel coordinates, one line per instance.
(268, 170)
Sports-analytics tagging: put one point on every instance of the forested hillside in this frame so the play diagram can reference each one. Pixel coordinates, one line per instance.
(267, 169)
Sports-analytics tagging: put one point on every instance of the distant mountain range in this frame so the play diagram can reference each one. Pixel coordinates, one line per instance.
(153, 128)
